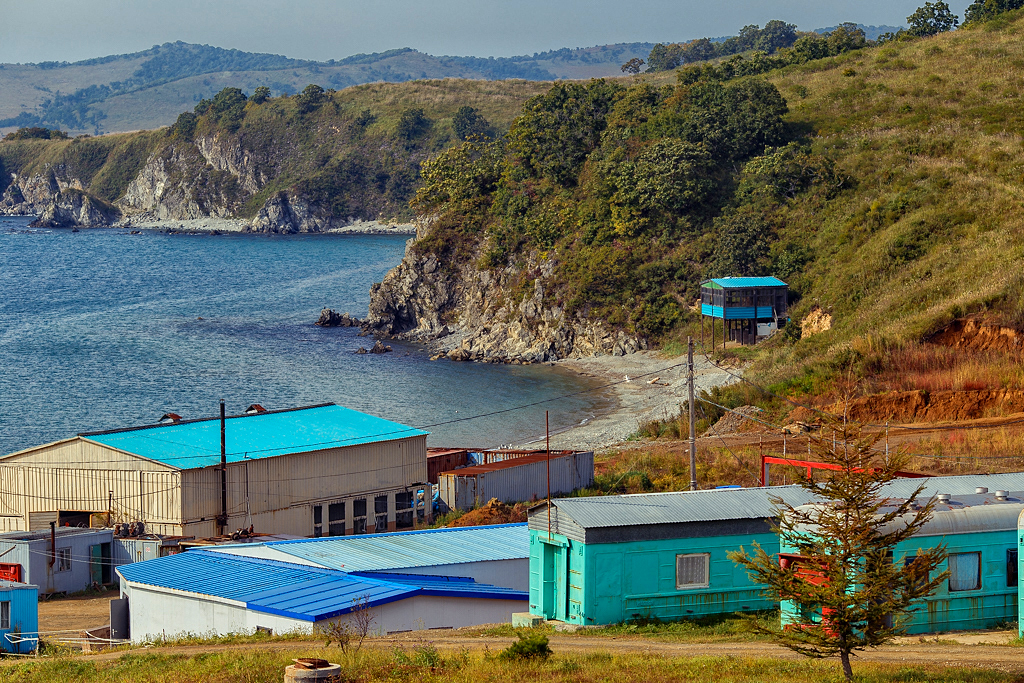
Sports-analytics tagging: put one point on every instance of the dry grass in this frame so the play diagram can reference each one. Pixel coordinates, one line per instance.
(428, 664)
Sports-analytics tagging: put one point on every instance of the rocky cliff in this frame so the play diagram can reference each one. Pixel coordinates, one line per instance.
(57, 198)
(469, 314)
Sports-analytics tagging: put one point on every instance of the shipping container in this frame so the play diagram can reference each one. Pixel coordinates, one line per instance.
(517, 479)
(444, 460)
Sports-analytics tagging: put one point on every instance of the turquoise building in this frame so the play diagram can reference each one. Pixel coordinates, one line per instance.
(661, 556)
(19, 616)
(980, 535)
(612, 559)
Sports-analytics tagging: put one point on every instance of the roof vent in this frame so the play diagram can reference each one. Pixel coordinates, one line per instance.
(173, 417)
(255, 408)
(943, 497)
(981, 489)
(1002, 495)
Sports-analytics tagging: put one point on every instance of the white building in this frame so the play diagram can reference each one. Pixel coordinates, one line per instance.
(206, 592)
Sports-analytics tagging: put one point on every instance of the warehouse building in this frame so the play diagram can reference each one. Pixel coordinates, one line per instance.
(497, 554)
(200, 591)
(608, 559)
(322, 470)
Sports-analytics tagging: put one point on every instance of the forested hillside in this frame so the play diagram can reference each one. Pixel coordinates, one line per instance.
(882, 183)
(307, 162)
(148, 89)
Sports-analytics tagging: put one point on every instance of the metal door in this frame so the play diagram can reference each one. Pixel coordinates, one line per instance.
(96, 563)
(562, 584)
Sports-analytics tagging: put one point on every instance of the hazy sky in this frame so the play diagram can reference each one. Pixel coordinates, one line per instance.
(41, 30)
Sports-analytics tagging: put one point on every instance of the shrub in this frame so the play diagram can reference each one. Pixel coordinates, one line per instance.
(529, 646)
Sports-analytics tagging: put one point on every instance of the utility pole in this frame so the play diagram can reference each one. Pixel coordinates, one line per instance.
(223, 521)
(693, 418)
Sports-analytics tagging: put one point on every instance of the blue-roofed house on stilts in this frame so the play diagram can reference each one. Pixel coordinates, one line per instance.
(750, 308)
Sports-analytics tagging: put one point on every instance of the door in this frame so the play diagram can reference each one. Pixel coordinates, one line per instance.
(96, 563)
(562, 584)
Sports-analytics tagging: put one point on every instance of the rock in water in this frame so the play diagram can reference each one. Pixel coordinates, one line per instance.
(380, 348)
(360, 350)
(330, 318)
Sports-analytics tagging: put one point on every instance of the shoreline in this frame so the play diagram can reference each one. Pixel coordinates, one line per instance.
(240, 225)
(656, 389)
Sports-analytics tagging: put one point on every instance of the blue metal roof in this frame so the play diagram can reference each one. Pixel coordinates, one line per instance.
(734, 282)
(196, 443)
(291, 590)
(411, 549)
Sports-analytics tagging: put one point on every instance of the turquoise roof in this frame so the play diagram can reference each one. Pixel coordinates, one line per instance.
(196, 443)
(735, 282)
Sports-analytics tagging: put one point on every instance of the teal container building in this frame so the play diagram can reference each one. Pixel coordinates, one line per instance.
(19, 617)
(613, 559)
(661, 556)
(979, 532)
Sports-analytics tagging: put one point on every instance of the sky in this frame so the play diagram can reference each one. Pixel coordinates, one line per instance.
(71, 30)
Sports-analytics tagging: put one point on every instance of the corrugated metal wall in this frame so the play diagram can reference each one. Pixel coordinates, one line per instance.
(273, 494)
(516, 482)
(79, 475)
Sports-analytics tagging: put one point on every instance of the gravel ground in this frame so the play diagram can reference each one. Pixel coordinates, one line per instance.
(647, 385)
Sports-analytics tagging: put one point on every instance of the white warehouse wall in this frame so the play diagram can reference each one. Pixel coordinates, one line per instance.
(514, 574)
(156, 613)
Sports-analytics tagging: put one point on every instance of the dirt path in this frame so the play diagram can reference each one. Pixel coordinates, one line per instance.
(78, 613)
(942, 653)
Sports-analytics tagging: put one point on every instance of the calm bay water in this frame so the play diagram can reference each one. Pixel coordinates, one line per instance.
(100, 329)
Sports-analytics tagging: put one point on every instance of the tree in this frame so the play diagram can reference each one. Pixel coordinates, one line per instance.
(775, 34)
(311, 98)
(468, 122)
(412, 123)
(983, 10)
(633, 66)
(932, 18)
(260, 95)
(838, 566)
(664, 57)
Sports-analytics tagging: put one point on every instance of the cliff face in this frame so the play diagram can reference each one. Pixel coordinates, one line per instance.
(468, 315)
(179, 182)
(57, 198)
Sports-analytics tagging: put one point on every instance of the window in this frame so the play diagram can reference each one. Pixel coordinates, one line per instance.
(359, 516)
(692, 571)
(5, 615)
(63, 559)
(336, 519)
(380, 507)
(1011, 567)
(964, 571)
(318, 521)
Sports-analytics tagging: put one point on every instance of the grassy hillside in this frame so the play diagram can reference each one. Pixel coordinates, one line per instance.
(930, 134)
(889, 197)
(148, 89)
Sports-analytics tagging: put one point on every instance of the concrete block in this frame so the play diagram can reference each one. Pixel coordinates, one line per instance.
(526, 620)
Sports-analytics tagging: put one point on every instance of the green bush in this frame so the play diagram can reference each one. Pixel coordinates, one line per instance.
(529, 646)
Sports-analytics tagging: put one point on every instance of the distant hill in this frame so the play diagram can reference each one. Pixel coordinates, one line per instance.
(870, 32)
(148, 89)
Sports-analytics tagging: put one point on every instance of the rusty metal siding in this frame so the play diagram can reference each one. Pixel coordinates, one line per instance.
(444, 461)
(516, 480)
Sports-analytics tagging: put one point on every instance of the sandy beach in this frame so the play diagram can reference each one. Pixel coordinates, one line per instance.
(656, 388)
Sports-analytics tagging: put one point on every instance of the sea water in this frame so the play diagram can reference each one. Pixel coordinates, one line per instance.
(102, 329)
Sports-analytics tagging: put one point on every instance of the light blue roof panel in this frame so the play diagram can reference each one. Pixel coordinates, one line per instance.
(411, 549)
(196, 443)
(734, 282)
(292, 590)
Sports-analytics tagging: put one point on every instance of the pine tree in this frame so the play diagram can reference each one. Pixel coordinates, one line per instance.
(845, 573)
